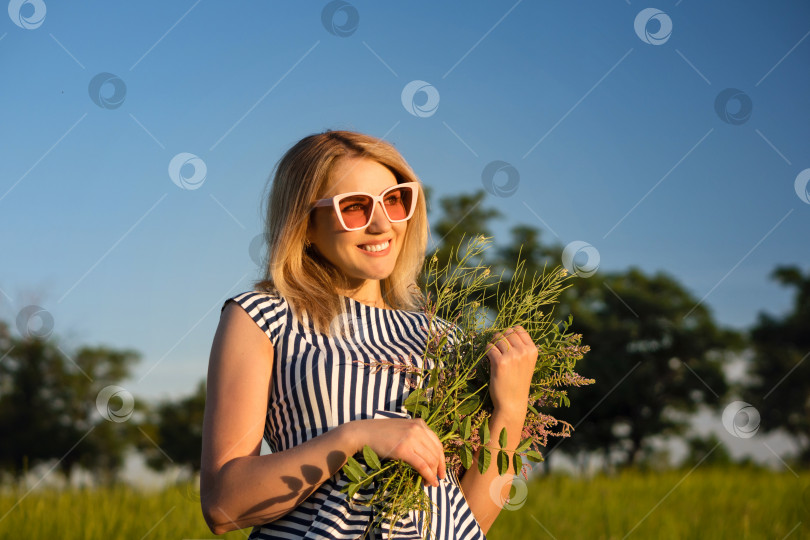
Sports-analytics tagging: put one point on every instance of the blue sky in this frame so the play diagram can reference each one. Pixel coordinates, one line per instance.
(616, 142)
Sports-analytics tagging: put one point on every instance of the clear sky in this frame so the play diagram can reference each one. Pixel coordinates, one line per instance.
(620, 135)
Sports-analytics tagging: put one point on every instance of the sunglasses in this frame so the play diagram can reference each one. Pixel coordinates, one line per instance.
(355, 209)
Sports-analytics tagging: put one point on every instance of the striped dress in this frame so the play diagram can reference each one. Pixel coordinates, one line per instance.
(319, 383)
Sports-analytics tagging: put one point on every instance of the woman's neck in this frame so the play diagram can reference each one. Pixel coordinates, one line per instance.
(368, 293)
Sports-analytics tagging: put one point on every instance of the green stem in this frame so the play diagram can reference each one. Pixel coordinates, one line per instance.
(382, 470)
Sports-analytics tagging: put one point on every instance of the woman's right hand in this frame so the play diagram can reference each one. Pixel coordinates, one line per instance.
(406, 439)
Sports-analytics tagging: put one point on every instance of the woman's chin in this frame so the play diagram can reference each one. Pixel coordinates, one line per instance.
(377, 271)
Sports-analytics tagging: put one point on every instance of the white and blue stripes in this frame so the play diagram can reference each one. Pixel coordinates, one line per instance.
(319, 383)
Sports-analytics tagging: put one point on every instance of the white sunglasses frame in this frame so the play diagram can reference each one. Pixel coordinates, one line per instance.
(335, 201)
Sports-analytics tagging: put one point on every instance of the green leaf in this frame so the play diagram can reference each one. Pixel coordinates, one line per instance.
(414, 399)
(566, 400)
(350, 473)
(483, 431)
(434, 377)
(352, 490)
(423, 411)
(524, 445)
(371, 458)
(356, 468)
(517, 462)
(466, 456)
(465, 428)
(535, 456)
(503, 462)
(502, 438)
(484, 458)
(468, 406)
(533, 410)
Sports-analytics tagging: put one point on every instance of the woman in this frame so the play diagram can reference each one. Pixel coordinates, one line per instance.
(346, 233)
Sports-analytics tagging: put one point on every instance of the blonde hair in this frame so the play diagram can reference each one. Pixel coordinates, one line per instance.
(299, 273)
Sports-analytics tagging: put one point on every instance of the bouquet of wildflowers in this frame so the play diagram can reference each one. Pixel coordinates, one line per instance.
(452, 397)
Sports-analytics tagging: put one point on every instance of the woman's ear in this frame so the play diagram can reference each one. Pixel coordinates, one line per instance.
(310, 230)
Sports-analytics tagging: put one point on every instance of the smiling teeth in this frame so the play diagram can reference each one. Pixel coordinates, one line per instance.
(378, 247)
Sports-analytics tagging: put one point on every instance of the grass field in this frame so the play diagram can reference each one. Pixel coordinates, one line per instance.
(706, 503)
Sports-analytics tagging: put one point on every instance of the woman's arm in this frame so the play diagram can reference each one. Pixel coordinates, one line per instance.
(512, 357)
(238, 487)
(476, 486)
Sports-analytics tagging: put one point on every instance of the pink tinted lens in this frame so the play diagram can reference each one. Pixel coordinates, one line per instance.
(356, 210)
(398, 203)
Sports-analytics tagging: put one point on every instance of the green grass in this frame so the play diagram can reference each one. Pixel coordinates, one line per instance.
(115, 512)
(708, 503)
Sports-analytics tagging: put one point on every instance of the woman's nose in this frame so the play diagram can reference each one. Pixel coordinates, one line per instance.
(379, 221)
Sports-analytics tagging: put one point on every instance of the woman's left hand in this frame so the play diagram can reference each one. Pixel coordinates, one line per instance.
(512, 357)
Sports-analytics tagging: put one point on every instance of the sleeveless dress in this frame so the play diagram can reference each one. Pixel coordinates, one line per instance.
(319, 383)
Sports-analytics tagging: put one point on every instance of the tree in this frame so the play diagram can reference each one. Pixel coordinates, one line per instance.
(462, 217)
(49, 407)
(654, 357)
(780, 369)
(175, 430)
(111, 410)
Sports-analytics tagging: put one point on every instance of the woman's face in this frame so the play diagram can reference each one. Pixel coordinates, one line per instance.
(345, 249)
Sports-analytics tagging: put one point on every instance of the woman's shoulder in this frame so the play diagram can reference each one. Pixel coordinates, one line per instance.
(256, 298)
(257, 295)
(267, 308)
